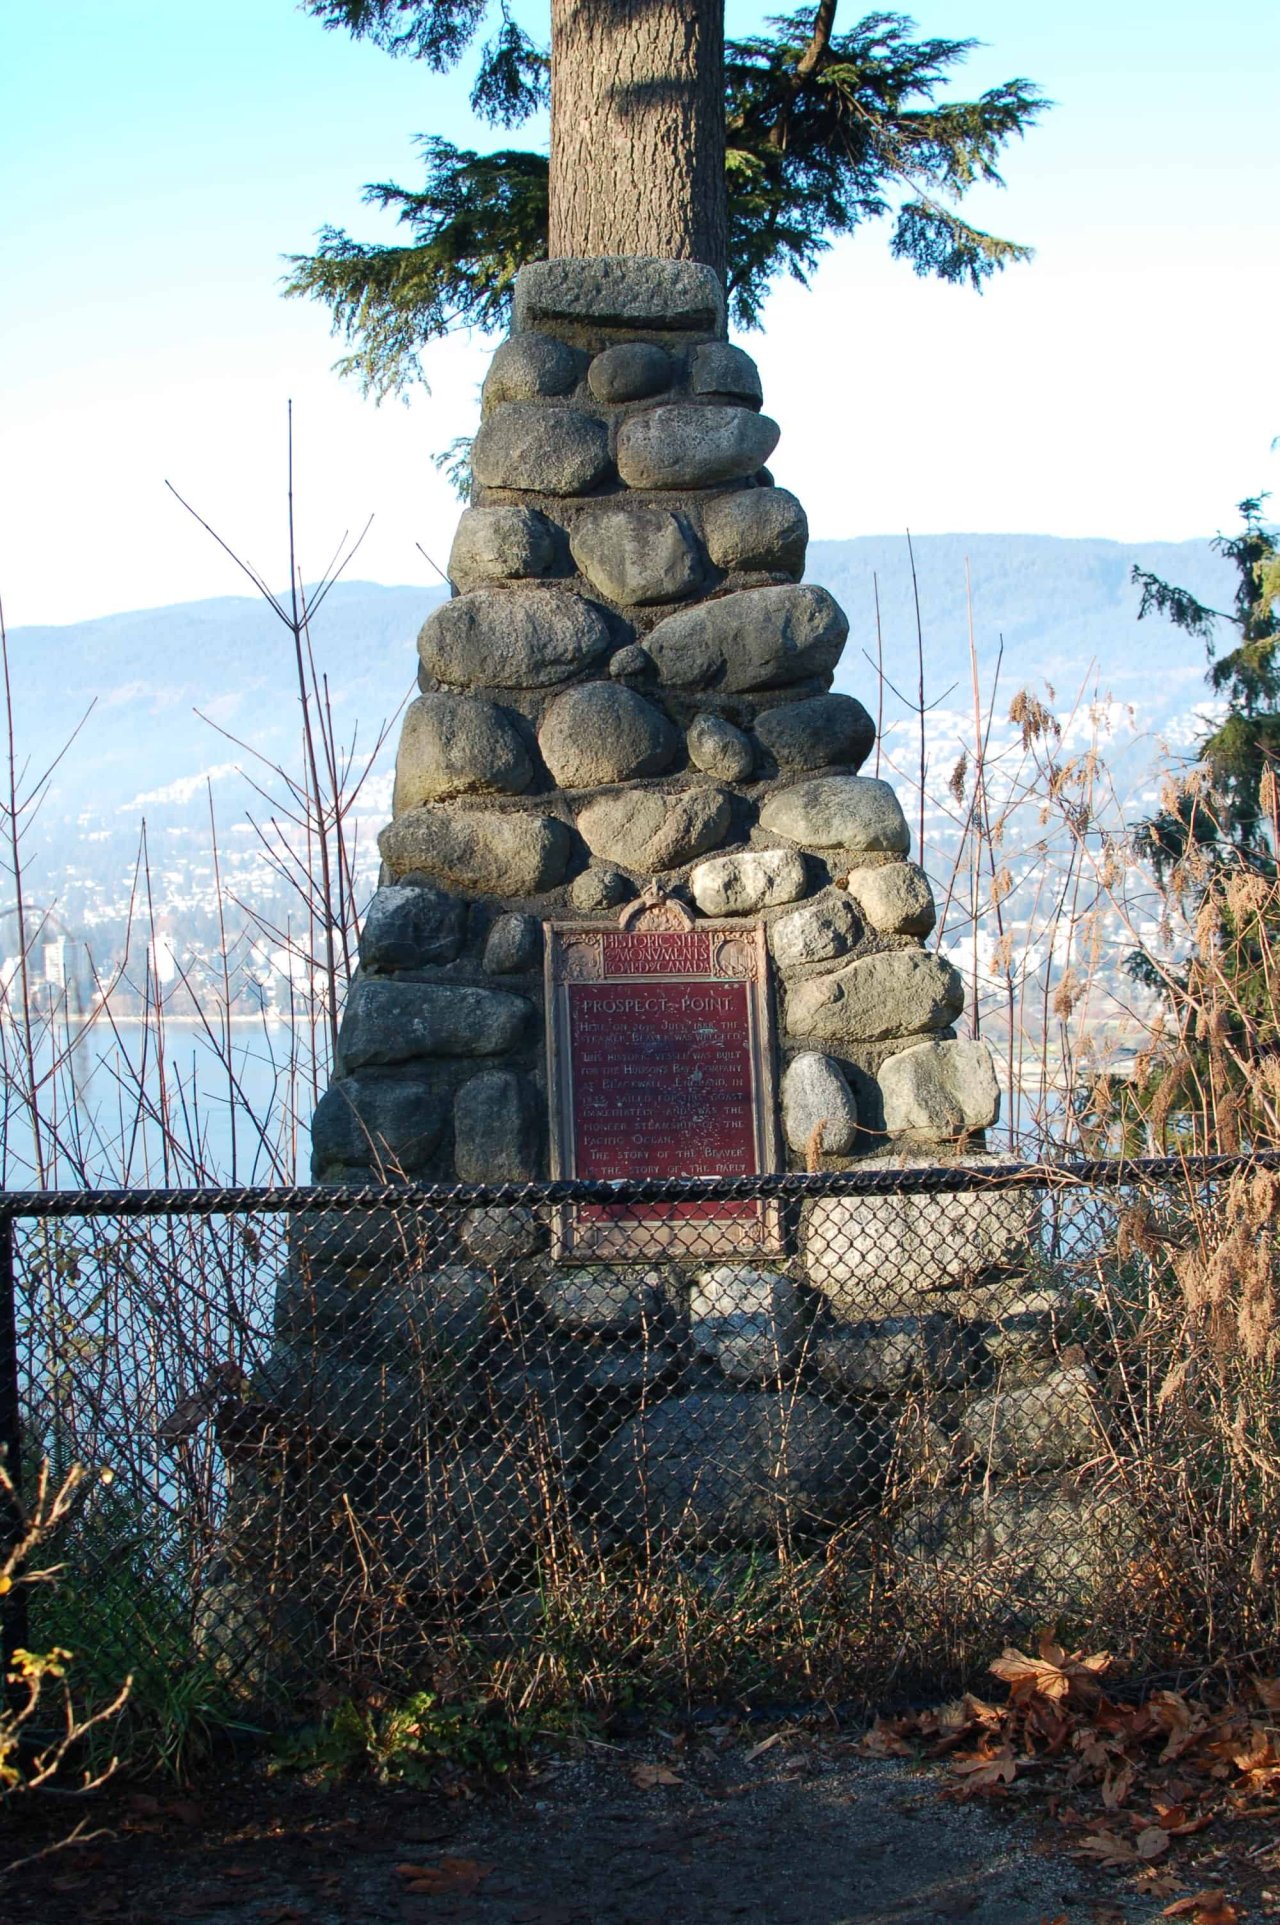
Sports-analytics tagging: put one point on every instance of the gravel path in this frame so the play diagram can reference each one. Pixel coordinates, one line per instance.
(797, 1837)
(802, 1831)
(797, 1829)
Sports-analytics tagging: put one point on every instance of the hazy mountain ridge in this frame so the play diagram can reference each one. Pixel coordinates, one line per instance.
(153, 675)
(1064, 609)
(1060, 607)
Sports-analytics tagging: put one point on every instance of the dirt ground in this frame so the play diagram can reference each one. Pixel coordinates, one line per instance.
(796, 1828)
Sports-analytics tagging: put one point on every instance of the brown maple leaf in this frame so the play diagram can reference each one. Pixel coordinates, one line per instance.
(1204, 1908)
(985, 1770)
(885, 1740)
(460, 1876)
(1056, 1674)
(1117, 1785)
(1106, 1848)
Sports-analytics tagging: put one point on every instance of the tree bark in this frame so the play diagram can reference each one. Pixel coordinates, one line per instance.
(637, 129)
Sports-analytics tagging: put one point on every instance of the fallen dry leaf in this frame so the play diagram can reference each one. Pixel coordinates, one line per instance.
(1117, 1785)
(1204, 1908)
(458, 1875)
(1106, 1849)
(1183, 1826)
(1182, 1762)
(1159, 1884)
(766, 1744)
(985, 1770)
(1055, 1674)
(884, 1740)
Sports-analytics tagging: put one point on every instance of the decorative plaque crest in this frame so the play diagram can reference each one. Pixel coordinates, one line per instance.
(661, 1064)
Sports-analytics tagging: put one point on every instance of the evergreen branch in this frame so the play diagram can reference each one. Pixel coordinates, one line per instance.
(1177, 605)
(1266, 574)
(937, 241)
(823, 130)
(479, 219)
(454, 463)
(514, 78)
(1241, 754)
(437, 31)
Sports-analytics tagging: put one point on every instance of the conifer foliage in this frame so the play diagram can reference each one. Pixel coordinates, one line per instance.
(1215, 849)
(1246, 743)
(825, 131)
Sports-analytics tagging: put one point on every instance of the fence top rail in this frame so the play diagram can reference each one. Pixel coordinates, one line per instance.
(905, 1179)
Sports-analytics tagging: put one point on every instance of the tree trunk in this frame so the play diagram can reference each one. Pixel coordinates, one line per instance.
(637, 129)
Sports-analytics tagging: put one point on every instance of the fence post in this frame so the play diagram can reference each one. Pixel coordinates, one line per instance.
(13, 1607)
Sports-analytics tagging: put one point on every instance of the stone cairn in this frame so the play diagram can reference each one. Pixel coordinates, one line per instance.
(629, 696)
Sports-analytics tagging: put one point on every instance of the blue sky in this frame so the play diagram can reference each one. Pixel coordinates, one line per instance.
(159, 159)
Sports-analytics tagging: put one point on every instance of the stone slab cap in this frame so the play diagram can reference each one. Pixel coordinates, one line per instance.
(620, 290)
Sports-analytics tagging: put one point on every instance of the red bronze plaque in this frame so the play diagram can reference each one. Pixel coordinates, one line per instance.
(661, 1066)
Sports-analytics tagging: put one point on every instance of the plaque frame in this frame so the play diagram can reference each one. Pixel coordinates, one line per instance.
(730, 952)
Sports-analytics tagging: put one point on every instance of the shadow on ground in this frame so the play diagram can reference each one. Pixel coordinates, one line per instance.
(799, 1829)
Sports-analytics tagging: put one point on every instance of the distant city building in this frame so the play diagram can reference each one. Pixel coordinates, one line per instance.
(164, 961)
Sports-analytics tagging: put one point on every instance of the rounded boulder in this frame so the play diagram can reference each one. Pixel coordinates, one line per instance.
(763, 528)
(636, 554)
(500, 544)
(550, 451)
(751, 879)
(630, 371)
(495, 1137)
(718, 748)
(718, 1468)
(653, 832)
(604, 733)
(815, 932)
(828, 729)
(489, 854)
(411, 926)
(529, 366)
(684, 445)
(454, 745)
(897, 993)
(390, 1124)
(839, 812)
(816, 1098)
(720, 368)
(757, 638)
(511, 638)
(895, 898)
(940, 1089)
(596, 890)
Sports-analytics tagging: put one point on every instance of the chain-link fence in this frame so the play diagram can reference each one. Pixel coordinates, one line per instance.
(828, 1434)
